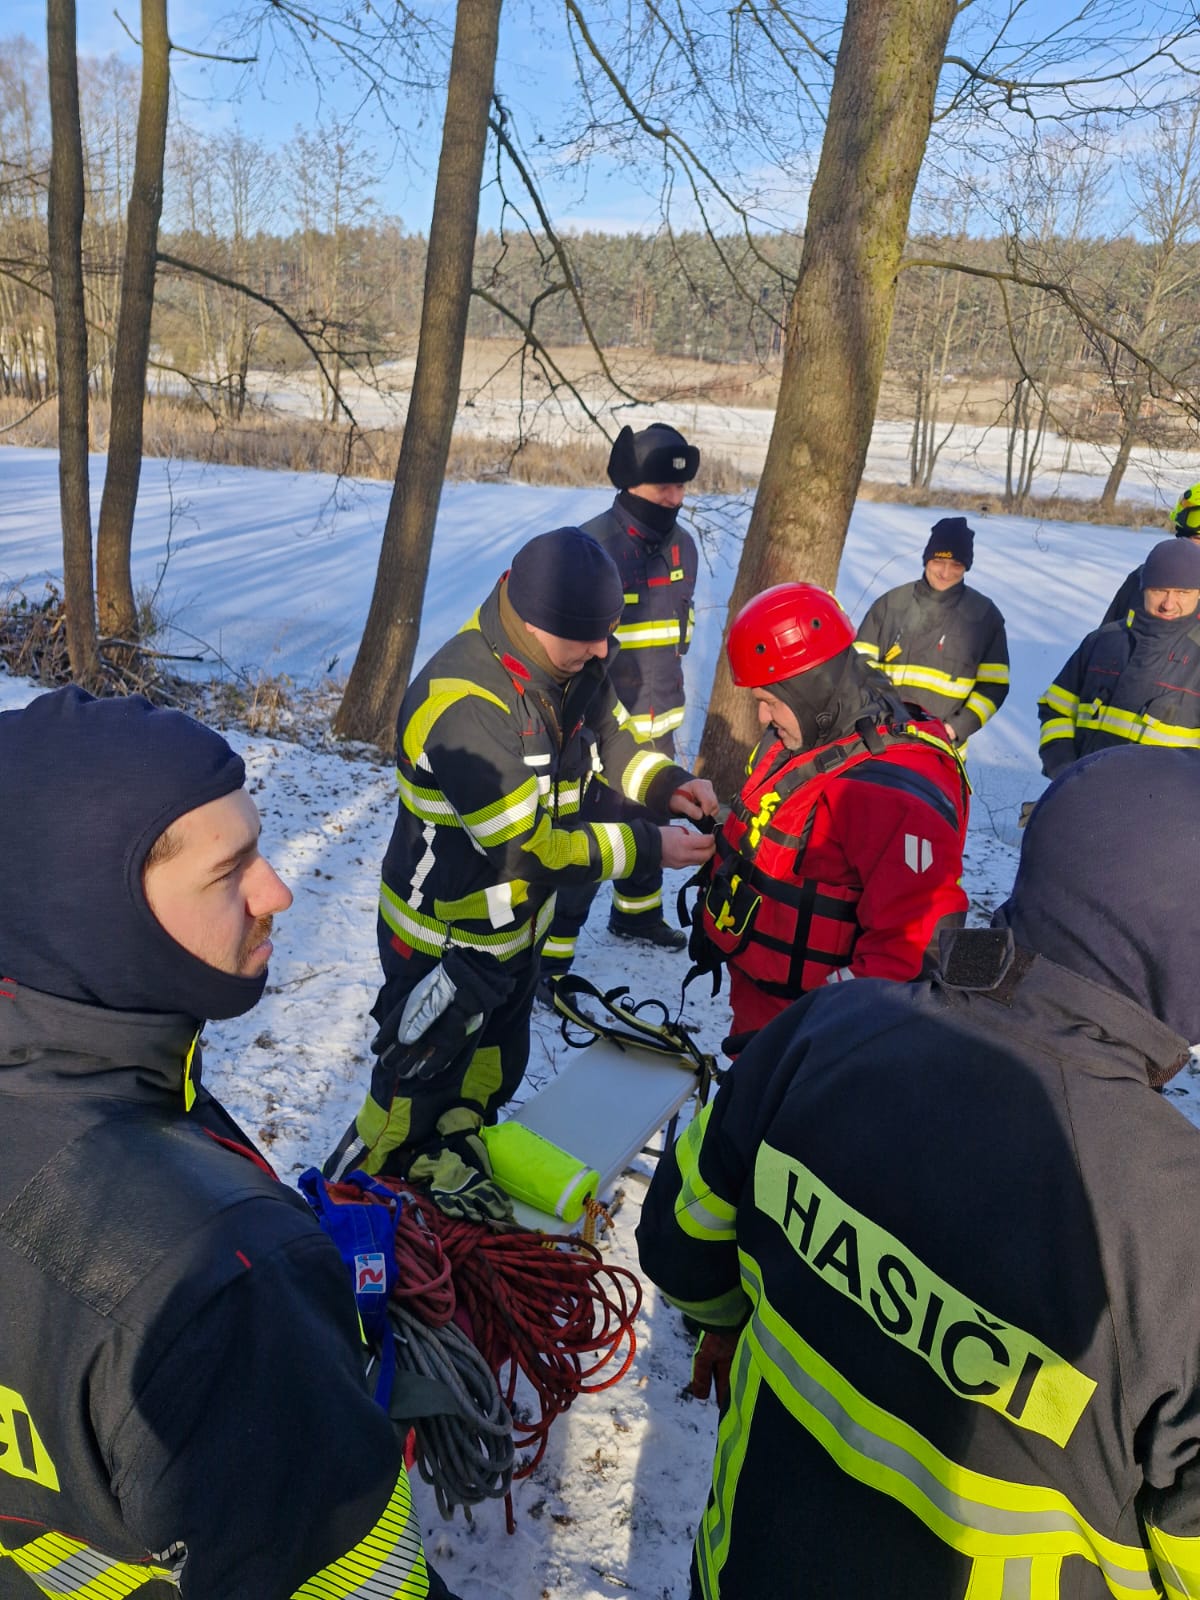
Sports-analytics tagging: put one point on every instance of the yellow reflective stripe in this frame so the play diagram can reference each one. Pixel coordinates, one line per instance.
(640, 773)
(632, 599)
(1020, 1578)
(637, 905)
(981, 706)
(1056, 728)
(504, 819)
(618, 852)
(726, 1310)
(382, 1129)
(910, 676)
(483, 1075)
(430, 936)
(443, 693)
(645, 635)
(430, 805)
(558, 948)
(691, 623)
(1138, 727)
(1056, 698)
(65, 1567)
(568, 795)
(699, 1212)
(978, 1356)
(649, 726)
(189, 1083)
(992, 672)
(494, 904)
(1178, 1561)
(871, 651)
(545, 917)
(733, 1439)
(974, 1513)
(389, 1564)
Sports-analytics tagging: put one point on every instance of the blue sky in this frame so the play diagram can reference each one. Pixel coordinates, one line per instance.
(269, 101)
(536, 75)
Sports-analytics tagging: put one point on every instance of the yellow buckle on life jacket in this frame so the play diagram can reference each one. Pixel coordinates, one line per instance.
(765, 812)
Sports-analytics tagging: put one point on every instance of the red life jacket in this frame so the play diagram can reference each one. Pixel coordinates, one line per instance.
(782, 927)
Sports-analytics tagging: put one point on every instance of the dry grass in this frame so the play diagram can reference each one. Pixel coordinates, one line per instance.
(1049, 508)
(299, 444)
(33, 644)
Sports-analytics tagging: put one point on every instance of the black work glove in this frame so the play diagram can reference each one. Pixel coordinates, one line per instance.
(424, 1032)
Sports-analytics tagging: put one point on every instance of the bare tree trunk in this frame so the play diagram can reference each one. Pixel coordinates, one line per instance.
(65, 229)
(1130, 415)
(384, 661)
(880, 110)
(118, 613)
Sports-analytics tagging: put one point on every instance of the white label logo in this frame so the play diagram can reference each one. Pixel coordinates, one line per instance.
(370, 1273)
(918, 853)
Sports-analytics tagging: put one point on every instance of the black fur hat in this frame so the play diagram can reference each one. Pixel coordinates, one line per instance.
(657, 454)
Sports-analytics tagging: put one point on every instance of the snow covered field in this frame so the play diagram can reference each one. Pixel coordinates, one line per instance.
(274, 571)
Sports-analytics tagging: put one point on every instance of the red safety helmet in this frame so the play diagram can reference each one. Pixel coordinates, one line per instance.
(785, 631)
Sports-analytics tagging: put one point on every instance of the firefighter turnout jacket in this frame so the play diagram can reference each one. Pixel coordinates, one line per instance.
(182, 1403)
(658, 575)
(945, 651)
(833, 863)
(511, 785)
(1136, 682)
(959, 1232)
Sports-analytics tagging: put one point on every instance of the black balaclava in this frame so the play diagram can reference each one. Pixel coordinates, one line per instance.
(86, 787)
(660, 520)
(828, 700)
(1109, 879)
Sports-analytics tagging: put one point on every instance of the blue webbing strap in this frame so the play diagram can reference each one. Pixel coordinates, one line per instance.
(365, 1237)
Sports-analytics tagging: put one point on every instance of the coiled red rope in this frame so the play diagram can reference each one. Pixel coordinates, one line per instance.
(544, 1308)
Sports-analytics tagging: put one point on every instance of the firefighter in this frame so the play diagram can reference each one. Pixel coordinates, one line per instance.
(183, 1405)
(1137, 680)
(941, 643)
(842, 854)
(657, 561)
(519, 775)
(945, 1238)
(1185, 524)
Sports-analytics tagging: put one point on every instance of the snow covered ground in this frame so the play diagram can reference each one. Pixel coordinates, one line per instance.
(273, 571)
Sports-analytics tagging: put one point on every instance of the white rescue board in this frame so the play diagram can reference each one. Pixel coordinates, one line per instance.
(604, 1106)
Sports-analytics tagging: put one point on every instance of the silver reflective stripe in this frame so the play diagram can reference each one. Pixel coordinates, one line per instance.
(1061, 1530)
(84, 1573)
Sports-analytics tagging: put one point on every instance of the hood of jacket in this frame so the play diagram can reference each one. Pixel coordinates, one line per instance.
(1108, 883)
(1069, 1013)
(831, 699)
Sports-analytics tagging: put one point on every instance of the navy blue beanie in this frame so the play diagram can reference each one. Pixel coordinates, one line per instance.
(566, 584)
(1109, 878)
(951, 539)
(1172, 564)
(86, 787)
